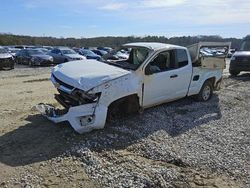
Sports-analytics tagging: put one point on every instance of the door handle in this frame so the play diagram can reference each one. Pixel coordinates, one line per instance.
(174, 76)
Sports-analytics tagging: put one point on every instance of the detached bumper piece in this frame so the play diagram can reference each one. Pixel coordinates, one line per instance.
(83, 118)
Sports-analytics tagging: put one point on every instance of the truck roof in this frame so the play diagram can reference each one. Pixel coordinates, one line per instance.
(153, 45)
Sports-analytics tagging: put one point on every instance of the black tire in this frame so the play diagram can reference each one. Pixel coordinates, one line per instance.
(206, 92)
(66, 60)
(234, 72)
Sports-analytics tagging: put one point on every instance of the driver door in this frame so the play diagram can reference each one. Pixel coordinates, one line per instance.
(166, 79)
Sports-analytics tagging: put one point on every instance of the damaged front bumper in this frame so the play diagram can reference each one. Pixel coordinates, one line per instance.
(83, 118)
(83, 111)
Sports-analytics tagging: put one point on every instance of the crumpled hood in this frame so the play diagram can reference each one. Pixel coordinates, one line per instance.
(6, 55)
(242, 53)
(87, 74)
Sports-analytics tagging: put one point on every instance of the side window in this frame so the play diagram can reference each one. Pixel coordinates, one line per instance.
(164, 61)
(55, 51)
(182, 58)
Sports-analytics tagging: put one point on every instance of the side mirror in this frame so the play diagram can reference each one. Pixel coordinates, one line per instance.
(148, 71)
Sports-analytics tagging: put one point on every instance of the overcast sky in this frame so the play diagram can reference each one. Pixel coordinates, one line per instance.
(91, 18)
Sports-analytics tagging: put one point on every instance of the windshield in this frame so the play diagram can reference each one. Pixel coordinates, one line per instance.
(245, 46)
(127, 58)
(3, 51)
(35, 52)
(68, 51)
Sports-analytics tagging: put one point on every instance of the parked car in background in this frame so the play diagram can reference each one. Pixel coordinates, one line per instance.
(48, 47)
(89, 54)
(99, 52)
(6, 59)
(64, 54)
(33, 57)
(44, 50)
(13, 51)
(117, 54)
(204, 52)
(240, 60)
(122, 54)
(107, 49)
(20, 46)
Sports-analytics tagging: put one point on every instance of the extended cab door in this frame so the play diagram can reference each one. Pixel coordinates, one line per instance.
(167, 77)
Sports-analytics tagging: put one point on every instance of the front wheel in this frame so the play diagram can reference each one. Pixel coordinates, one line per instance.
(206, 92)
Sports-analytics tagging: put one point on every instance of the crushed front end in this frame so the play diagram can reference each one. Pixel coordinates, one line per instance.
(82, 110)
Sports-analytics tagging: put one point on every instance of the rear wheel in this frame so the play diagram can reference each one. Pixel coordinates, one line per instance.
(206, 92)
(234, 72)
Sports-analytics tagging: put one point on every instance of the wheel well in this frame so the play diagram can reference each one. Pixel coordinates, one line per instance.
(212, 81)
(126, 104)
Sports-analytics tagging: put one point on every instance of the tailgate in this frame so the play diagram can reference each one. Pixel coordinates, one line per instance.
(209, 55)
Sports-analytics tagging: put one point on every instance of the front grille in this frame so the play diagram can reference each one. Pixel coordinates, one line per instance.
(66, 100)
(62, 83)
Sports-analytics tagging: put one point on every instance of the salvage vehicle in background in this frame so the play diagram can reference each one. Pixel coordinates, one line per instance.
(240, 60)
(89, 54)
(33, 57)
(65, 54)
(6, 59)
(44, 50)
(107, 49)
(13, 51)
(99, 52)
(154, 73)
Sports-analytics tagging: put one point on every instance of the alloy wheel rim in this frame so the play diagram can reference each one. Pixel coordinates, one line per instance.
(206, 93)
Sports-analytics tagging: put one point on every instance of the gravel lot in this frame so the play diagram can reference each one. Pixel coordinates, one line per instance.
(179, 144)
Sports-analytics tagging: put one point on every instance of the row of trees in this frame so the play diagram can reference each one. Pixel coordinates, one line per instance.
(9, 39)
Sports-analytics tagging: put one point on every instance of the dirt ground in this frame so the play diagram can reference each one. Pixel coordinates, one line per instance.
(34, 151)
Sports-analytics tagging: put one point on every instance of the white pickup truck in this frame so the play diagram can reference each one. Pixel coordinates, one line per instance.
(154, 73)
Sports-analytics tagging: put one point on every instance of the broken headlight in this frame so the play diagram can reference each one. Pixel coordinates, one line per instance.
(86, 96)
